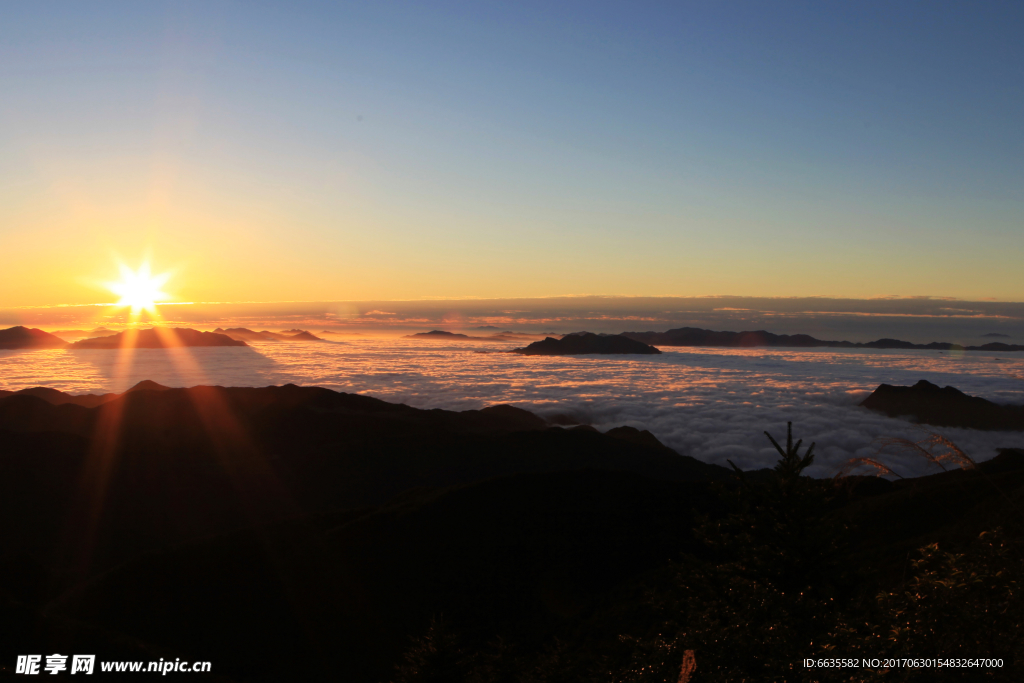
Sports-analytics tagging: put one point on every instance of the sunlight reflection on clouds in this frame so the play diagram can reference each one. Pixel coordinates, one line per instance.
(713, 403)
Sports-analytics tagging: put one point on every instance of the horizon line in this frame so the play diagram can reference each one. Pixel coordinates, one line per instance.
(893, 297)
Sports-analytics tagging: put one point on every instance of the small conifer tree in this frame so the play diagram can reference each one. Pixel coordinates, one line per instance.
(753, 612)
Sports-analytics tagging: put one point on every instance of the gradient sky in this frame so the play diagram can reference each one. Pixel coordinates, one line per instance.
(352, 151)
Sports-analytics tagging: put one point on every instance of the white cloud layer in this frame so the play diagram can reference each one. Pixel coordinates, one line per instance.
(713, 404)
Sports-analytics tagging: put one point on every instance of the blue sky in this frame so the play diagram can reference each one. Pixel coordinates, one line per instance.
(291, 151)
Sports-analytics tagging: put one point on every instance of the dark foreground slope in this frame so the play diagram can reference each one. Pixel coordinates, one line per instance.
(287, 483)
(166, 465)
(300, 534)
(339, 595)
(556, 565)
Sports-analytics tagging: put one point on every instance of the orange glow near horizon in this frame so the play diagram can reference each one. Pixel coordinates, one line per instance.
(139, 289)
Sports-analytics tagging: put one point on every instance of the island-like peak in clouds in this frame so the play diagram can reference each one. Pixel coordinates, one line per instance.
(927, 403)
(158, 338)
(29, 338)
(438, 334)
(586, 342)
(694, 336)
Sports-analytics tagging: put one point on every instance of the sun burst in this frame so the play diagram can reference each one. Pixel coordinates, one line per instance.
(140, 289)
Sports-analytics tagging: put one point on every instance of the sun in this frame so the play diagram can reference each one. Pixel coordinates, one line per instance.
(140, 289)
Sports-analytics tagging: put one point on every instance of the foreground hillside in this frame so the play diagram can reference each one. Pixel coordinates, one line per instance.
(167, 465)
(300, 534)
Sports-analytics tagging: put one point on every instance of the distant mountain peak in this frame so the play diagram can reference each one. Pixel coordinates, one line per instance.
(694, 336)
(586, 343)
(21, 337)
(928, 403)
(158, 338)
(147, 385)
(437, 334)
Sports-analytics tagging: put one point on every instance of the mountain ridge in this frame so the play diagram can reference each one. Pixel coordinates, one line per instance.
(582, 343)
(157, 338)
(21, 337)
(929, 404)
(695, 336)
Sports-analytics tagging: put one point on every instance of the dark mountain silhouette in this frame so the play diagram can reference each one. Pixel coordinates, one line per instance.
(943, 407)
(140, 479)
(290, 335)
(158, 338)
(202, 460)
(582, 343)
(442, 334)
(996, 346)
(147, 385)
(57, 398)
(29, 338)
(439, 334)
(640, 436)
(302, 335)
(301, 534)
(693, 336)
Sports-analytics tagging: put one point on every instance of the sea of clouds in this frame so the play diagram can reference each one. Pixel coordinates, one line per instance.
(713, 404)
